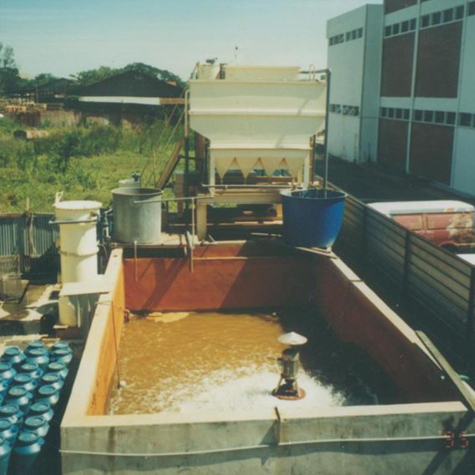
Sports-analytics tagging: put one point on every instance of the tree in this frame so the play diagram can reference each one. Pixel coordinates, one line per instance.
(90, 76)
(9, 78)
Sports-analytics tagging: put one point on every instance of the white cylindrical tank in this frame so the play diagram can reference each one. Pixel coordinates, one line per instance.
(78, 239)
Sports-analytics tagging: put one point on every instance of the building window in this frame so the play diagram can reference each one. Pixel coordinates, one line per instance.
(387, 31)
(413, 24)
(436, 18)
(396, 29)
(407, 114)
(448, 15)
(439, 117)
(360, 32)
(459, 11)
(450, 118)
(384, 112)
(428, 116)
(418, 116)
(405, 26)
(348, 36)
(398, 114)
(425, 21)
(465, 120)
(471, 8)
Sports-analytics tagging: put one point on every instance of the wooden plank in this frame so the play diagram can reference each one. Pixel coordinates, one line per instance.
(170, 165)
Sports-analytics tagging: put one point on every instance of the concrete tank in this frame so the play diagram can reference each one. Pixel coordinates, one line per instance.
(137, 215)
(78, 239)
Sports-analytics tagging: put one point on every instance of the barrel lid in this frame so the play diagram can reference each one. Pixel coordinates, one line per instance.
(17, 391)
(5, 366)
(38, 352)
(56, 366)
(47, 390)
(40, 407)
(51, 378)
(27, 438)
(12, 351)
(28, 367)
(22, 378)
(9, 409)
(34, 422)
(5, 424)
(63, 345)
(36, 344)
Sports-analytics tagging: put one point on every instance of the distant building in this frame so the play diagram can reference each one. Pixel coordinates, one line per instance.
(426, 99)
(132, 88)
(51, 92)
(354, 56)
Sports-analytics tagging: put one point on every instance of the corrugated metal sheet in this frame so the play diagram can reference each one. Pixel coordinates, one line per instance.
(409, 268)
(32, 238)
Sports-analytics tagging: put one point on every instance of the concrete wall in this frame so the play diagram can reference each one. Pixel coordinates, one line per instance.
(392, 439)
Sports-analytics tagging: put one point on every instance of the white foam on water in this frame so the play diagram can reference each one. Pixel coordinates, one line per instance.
(223, 391)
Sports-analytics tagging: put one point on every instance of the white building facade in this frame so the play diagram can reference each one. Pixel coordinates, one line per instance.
(354, 57)
(423, 80)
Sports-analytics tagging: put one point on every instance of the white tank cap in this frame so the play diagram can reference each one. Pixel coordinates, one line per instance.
(292, 338)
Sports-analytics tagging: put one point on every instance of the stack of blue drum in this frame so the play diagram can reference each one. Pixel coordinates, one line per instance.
(30, 388)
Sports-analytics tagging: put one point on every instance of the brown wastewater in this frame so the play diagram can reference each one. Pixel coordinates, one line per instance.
(209, 361)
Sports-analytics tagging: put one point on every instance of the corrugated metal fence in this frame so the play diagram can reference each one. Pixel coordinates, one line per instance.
(32, 239)
(437, 287)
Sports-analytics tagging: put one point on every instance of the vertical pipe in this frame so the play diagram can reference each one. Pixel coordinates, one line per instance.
(325, 172)
(187, 160)
(135, 260)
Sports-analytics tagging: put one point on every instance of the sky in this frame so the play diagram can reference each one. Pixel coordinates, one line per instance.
(64, 37)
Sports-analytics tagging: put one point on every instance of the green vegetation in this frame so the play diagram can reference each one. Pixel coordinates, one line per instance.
(85, 162)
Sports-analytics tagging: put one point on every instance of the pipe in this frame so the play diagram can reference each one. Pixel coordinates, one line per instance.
(265, 446)
(54, 222)
(327, 119)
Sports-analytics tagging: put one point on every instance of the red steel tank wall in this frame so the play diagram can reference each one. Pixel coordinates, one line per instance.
(217, 282)
(359, 316)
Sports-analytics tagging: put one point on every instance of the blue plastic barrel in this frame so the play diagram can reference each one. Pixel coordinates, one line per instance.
(25, 455)
(23, 380)
(20, 397)
(312, 218)
(32, 369)
(34, 345)
(58, 368)
(39, 356)
(7, 371)
(37, 424)
(4, 385)
(5, 452)
(48, 394)
(12, 413)
(13, 355)
(61, 355)
(42, 409)
(52, 379)
(8, 431)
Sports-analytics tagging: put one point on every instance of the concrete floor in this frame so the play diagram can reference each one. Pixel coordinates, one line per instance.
(371, 183)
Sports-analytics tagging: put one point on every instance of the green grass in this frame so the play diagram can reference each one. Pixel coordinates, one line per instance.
(85, 163)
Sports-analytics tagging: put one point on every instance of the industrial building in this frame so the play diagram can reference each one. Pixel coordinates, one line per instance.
(426, 89)
(355, 42)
